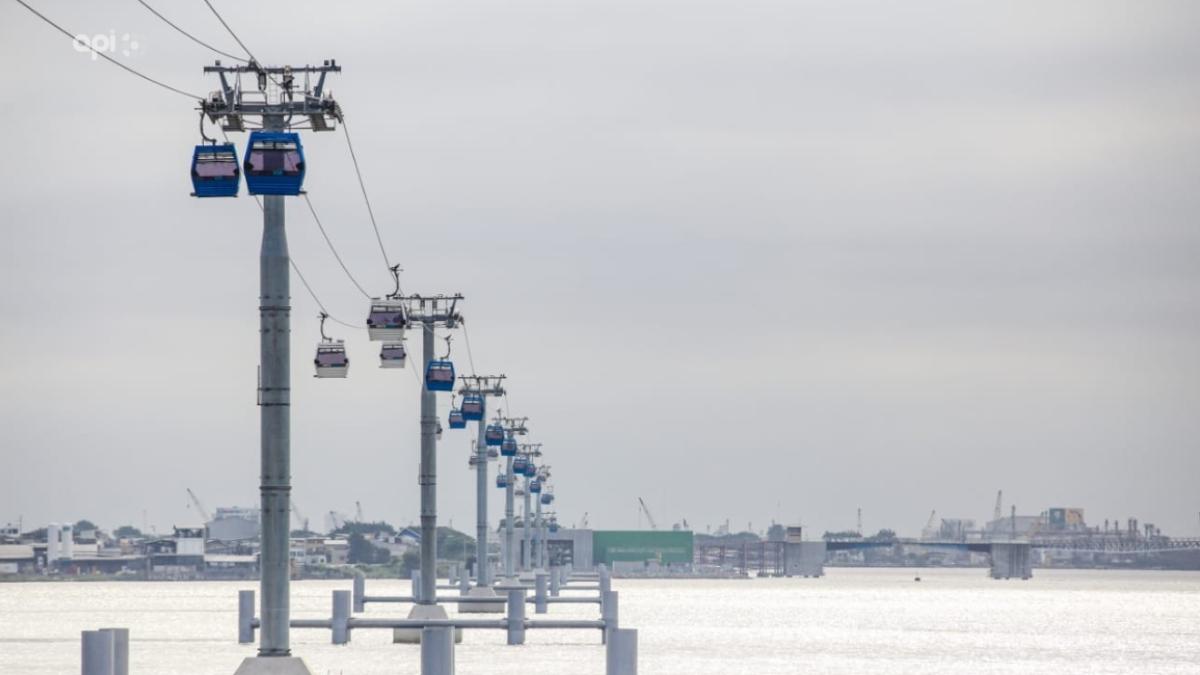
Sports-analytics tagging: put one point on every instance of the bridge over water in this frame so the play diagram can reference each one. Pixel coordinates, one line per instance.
(1009, 559)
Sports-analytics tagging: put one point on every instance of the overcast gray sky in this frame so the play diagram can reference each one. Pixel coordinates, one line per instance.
(747, 260)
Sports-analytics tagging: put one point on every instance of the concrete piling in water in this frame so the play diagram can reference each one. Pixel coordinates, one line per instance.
(464, 583)
(245, 617)
(360, 591)
(341, 617)
(608, 613)
(97, 653)
(555, 581)
(416, 584)
(620, 653)
(120, 649)
(516, 616)
(539, 593)
(437, 650)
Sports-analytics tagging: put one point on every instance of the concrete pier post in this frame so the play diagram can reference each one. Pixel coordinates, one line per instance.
(97, 655)
(437, 650)
(516, 616)
(341, 617)
(555, 581)
(416, 585)
(360, 591)
(120, 650)
(605, 579)
(245, 617)
(608, 613)
(539, 594)
(464, 584)
(620, 654)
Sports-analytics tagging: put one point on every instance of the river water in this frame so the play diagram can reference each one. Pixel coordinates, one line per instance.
(852, 621)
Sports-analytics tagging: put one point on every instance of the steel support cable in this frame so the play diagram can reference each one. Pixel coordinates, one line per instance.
(188, 35)
(470, 356)
(243, 46)
(106, 57)
(334, 250)
(363, 186)
(235, 36)
(300, 274)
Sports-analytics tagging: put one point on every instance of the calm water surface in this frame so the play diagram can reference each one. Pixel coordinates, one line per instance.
(853, 621)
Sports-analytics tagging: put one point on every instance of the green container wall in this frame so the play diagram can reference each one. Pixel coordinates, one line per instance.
(640, 545)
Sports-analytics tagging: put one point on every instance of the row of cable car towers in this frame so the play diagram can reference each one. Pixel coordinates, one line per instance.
(387, 322)
(274, 168)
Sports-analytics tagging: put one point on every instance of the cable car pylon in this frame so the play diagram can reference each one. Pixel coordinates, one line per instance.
(427, 314)
(475, 390)
(278, 101)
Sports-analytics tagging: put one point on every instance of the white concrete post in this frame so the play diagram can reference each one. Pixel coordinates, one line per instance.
(360, 591)
(97, 653)
(120, 650)
(608, 612)
(539, 594)
(516, 616)
(245, 617)
(341, 617)
(416, 585)
(437, 650)
(555, 581)
(620, 655)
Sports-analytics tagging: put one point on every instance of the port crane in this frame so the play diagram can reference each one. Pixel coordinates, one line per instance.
(299, 516)
(645, 510)
(930, 531)
(199, 507)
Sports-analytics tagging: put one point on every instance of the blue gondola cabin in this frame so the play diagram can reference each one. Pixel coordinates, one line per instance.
(274, 163)
(215, 171)
(439, 376)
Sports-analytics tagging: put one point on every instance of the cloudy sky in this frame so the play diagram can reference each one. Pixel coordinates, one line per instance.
(747, 260)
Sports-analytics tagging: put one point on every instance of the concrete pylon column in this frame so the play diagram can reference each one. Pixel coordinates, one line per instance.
(97, 653)
(437, 650)
(509, 531)
(120, 649)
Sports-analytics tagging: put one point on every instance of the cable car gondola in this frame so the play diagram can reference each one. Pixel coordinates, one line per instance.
(509, 447)
(492, 453)
(439, 376)
(553, 527)
(274, 163)
(493, 435)
(535, 486)
(456, 420)
(501, 480)
(530, 470)
(331, 359)
(520, 462)
(215, 171)
(547, 497)
(393, 355)
(472, 407)
(387, 320)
